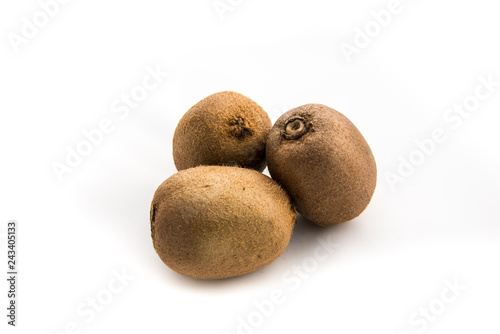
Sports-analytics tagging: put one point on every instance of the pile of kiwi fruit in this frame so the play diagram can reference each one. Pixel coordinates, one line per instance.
(221, 217)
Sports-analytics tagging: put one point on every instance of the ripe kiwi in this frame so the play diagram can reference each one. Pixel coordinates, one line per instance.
(212, 222)
(322, 160)
(225, 128)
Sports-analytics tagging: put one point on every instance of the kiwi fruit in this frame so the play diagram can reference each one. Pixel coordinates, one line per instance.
(323, 162)
(225, 128)
(212, 222)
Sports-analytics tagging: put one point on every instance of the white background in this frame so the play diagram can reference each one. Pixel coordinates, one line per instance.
(440, 223)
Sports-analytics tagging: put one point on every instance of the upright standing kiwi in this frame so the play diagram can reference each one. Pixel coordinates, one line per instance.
(213, 222)
(322, 160)
(225, 128)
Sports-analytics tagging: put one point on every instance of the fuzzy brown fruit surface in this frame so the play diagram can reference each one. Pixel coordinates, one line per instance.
(322, 160)
(225, 128)
(212, 222)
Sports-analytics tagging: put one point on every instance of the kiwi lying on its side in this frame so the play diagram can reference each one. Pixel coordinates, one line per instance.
(213, 222)
(225, 128)
(322, 160)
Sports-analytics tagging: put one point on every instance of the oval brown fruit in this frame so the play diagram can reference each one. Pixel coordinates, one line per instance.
(225, 128)
(213, 222)
(322, 160)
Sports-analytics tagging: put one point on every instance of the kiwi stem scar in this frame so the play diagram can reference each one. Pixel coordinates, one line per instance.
(152, 219)
(241, 128)
(295, 128)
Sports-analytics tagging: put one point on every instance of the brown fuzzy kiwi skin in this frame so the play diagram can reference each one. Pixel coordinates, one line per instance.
(213, 222)
(323, 162)
(225, 128)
